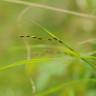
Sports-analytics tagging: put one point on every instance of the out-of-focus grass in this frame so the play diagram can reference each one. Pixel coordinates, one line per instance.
(62, 74)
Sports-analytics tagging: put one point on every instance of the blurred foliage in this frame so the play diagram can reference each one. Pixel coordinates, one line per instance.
(42, 66)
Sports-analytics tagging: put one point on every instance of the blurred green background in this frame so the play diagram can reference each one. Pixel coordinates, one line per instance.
(60, 75)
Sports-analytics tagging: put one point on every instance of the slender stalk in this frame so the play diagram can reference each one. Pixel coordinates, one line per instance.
(87, 41)
(51, 8)
(28, 54)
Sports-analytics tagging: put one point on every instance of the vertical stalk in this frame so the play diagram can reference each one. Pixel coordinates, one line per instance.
(28, 57)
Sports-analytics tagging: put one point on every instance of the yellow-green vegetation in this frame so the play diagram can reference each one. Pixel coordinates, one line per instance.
(47, 48)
